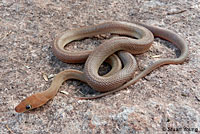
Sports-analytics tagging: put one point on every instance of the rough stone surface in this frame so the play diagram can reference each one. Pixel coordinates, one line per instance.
(165, 101)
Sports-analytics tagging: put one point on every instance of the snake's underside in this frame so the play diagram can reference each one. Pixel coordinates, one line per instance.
(137, 38)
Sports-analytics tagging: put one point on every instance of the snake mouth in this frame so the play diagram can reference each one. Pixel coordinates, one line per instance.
(19, 109)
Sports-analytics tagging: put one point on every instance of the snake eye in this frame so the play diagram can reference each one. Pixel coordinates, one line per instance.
(28, 107)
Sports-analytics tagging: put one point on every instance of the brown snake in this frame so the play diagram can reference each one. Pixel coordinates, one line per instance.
(117, 78)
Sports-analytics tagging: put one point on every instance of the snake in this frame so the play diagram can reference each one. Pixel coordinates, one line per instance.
(135, 38)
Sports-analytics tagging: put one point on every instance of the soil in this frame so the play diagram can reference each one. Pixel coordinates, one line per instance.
(165, 101)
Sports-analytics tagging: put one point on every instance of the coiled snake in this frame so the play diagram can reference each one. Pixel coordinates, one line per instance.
(138, 39)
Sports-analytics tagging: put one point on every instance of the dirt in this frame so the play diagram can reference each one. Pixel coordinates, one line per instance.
(165, 101)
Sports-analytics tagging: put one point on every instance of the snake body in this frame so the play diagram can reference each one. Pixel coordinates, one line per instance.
(118, 78)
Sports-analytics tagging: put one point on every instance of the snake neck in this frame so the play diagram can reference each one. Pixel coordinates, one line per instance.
(51, 91)
(59, 79)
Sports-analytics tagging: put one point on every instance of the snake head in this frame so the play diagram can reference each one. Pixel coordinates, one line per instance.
(31, 102)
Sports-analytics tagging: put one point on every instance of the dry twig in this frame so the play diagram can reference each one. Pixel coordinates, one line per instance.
(9, 129)
(176, 12)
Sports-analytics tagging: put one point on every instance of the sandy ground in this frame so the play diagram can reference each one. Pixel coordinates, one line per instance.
(167, 100)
